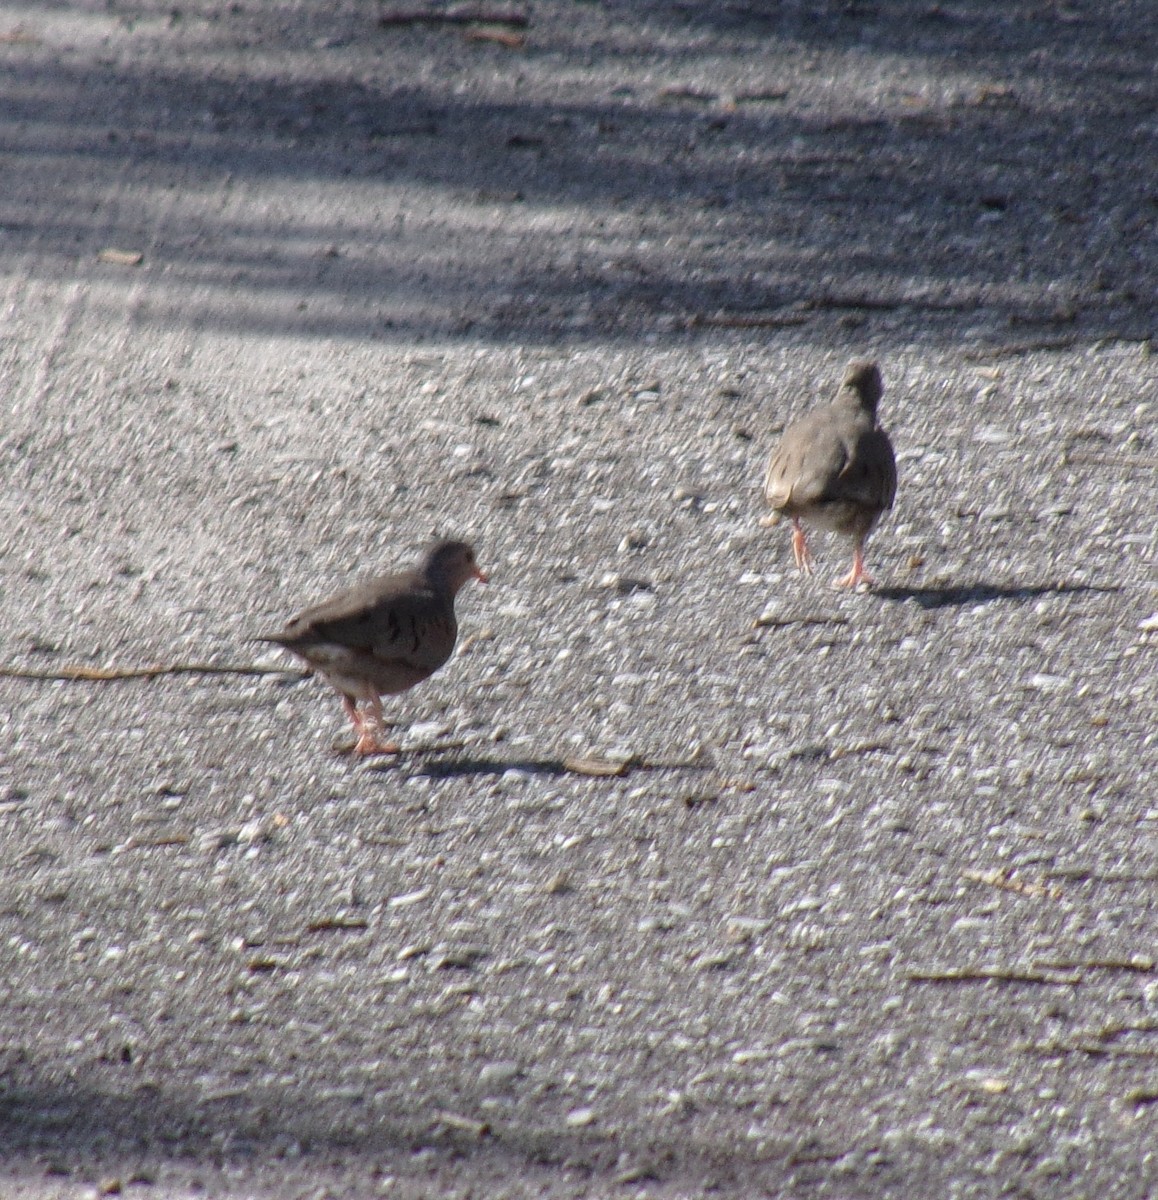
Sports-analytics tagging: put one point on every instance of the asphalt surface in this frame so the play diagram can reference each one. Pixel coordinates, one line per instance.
(869, 909)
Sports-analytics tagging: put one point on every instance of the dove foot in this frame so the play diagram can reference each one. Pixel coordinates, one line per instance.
(800, 551)
(368, 744)
(858, 577)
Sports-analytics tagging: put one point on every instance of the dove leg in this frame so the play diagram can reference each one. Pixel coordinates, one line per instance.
(373, 728)
(800, 550)
(366, 742)
(858, 574)
(369, 725)
(351, 707)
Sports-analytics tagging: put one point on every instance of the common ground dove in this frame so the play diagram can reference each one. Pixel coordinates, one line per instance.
(384, 636)
(834, 468)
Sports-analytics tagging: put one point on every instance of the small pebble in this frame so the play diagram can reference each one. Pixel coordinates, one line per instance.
(742, 929)
(426, 731)
(1048, 683)
(461, 957)
(495, 1073)
(254, 831)
(719, 961)
(219, 839)
(464, 1124)
(992, 435)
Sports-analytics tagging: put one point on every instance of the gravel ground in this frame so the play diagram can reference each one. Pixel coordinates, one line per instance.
(863, 905)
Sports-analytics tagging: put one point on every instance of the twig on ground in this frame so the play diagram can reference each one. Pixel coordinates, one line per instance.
(838, 752)
(601, 768)
(779, 621)
(1137, 963)
(725, 320)
(1011, 349)
(172, 839)
(337, 925)
(459, 14)
(1003, 974)
(1055, 1049)
(1001, 879)
(85, 674)
(869, 303)
(597, 768)
(500, 37)
(1136, 462)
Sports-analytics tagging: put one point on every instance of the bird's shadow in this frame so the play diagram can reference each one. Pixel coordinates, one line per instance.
(984, 593)
(453, 768)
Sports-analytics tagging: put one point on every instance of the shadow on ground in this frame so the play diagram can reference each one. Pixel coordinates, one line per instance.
(983, 593)
(81, 1130)
(977, 175)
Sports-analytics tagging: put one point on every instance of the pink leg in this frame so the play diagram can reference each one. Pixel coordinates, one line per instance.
(858, 574)
(355, 716)
(800, 551)
(364, 729)
(368, 727)
(372, 732)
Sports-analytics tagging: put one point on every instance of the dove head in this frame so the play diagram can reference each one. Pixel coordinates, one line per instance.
(450, 564)
(863, 379)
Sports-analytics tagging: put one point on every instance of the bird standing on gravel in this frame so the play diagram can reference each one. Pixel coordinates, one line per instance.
(385, 636)
(835, 468)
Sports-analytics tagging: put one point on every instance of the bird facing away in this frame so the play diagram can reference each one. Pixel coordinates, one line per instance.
(835, 468)
(384, 636)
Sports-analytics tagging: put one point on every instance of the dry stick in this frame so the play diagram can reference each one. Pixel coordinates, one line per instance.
(1142, 965)
(1096, 1041)
(997, 879)
(776, 621)
(596, 768)
(1087, 876)
(83, 674)
(461, 15)
(451, 1120)
(1095, 1049)
(174, 839)
(600, 768)
(747, 321)
(889, 303)
(1094, 459)
(976, 974)
(337, 925)
(501, 37)
(799, 313)
(1014, 348)
(838, 752)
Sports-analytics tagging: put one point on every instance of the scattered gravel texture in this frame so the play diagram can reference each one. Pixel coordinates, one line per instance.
(694, 877)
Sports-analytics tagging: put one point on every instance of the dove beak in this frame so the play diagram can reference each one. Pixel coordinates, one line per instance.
(481, 575)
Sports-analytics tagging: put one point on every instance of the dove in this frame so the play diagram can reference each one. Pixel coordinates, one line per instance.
(384, 636)
(835, 468)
